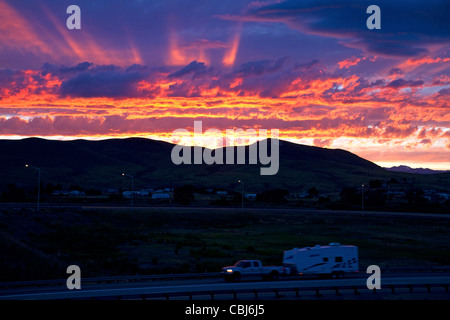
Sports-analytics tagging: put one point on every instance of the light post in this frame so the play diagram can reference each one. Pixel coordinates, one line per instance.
(132, 187)
(39, 182)
(242, 195)
(362, 199)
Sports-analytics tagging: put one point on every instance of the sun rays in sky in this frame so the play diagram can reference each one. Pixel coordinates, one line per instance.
(310, 69)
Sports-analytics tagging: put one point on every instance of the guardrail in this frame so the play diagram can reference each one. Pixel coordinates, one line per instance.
(277, 293)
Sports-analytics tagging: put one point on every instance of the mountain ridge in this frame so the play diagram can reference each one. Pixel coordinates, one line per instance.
(100, 163)
(408, 169)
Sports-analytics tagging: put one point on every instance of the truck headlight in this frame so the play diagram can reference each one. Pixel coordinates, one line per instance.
(229, 270)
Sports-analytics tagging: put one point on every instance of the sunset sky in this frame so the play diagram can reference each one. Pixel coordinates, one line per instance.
(311, 69)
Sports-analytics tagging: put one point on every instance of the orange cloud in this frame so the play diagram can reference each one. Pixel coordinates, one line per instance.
(230, 54)
(422, 61)
(323, 110)
(353, 61)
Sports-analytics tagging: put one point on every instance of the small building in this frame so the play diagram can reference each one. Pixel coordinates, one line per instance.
(110, 191)
(127, 194)
(60, 193)
(160, 195)
(76, 193)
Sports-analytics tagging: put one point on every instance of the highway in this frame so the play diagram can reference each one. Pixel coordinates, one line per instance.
(281, 210)
(218, 286)
(205, 286)
(224, 209)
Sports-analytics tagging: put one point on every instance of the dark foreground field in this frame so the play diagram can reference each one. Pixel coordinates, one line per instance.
(40, 245)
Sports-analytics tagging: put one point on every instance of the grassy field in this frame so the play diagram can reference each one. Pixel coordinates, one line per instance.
(120, 242)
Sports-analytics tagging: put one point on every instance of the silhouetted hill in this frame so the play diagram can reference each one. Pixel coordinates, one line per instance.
(414, 170)
(99, 164)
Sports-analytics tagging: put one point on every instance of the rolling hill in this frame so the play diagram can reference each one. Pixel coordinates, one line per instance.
(99, 164)
(415, 170)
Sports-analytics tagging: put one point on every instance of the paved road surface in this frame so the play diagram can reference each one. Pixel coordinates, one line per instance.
(126, 290)
(281, 210)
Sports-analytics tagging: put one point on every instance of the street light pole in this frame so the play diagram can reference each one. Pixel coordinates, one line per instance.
(362, 199)
(132, 187)
(39, 182)
(242, 195)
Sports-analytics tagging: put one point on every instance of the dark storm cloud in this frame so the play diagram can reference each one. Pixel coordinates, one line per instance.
(444, 92)
(308, 65)
(195, 68)
(104, 81)
(402, 83)
(395, 71)
(61, 70)
(407, 27)
(258, 68)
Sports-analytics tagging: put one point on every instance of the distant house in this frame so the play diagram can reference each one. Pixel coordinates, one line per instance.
(144, 193)
(302, 194)
(160, 195)
(76, 193)
(60, 193)
(222, 193)
(127, 194)
(110, 191)
(435, 196)
(141, 193)
(250, 196)
(72, 193)
(445, 196)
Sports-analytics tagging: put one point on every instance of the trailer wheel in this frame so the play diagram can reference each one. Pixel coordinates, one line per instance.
(337, 274)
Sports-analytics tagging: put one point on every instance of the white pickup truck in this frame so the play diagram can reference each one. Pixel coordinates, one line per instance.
(249, 268)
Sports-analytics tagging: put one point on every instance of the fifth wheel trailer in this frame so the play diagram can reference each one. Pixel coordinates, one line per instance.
(333, 259)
